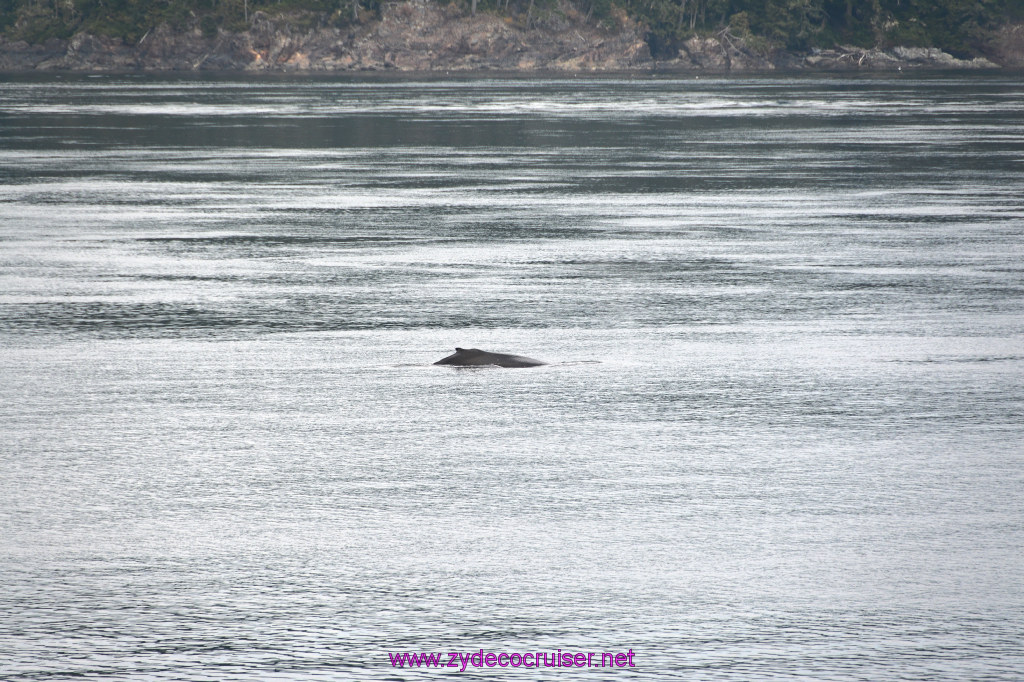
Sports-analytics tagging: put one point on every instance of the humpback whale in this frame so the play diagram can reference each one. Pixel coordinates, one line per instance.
(467, 357)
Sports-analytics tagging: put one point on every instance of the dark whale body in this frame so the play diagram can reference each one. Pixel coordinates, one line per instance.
(468, 357)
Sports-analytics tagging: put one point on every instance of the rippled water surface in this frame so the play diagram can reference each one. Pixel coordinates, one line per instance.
(780, 436)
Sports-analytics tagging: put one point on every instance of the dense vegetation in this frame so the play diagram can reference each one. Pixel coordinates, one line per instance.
(958, 26)
(37, 20)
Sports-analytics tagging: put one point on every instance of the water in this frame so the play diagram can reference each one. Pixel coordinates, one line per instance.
(780, 437)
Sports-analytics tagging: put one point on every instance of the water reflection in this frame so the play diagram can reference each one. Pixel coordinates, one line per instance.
(227, 455)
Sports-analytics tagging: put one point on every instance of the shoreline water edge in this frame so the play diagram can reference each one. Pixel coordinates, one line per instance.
(415, 36)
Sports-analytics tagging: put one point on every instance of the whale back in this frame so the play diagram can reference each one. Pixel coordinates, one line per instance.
(473, 357)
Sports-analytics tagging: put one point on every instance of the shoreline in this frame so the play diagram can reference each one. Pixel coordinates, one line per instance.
(652, 73)
(415, 37)
(840, 64)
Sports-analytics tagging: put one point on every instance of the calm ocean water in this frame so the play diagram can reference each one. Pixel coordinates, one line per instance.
(781, 437)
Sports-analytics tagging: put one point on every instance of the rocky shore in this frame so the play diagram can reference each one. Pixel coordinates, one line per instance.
(421, 36)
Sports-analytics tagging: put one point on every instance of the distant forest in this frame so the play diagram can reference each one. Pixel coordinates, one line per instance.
(960, 27)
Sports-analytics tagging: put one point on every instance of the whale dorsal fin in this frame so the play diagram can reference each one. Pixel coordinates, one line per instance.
(459, 350)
